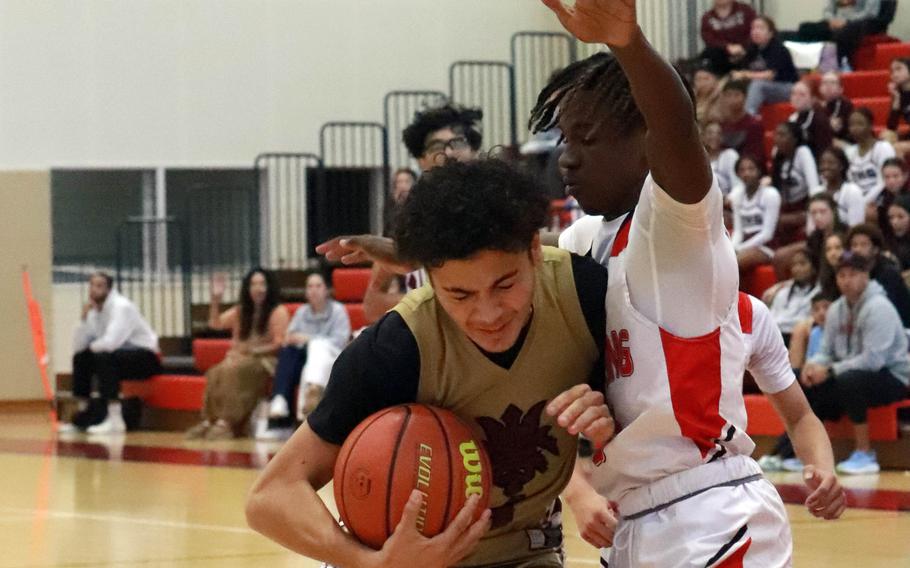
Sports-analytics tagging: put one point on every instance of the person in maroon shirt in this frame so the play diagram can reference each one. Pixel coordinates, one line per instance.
(811, 116)
(725, 31)
(741, 131)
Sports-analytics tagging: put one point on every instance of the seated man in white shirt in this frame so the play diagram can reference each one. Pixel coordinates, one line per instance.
(113, 342)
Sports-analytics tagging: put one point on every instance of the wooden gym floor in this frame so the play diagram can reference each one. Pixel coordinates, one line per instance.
(152, 499)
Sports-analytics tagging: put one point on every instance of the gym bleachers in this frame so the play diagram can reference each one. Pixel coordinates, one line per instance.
(173, 401)
(866, 87)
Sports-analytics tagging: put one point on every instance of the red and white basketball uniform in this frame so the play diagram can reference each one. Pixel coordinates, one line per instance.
(688, 493)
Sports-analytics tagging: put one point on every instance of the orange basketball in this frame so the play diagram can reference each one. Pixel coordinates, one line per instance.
(400, 449)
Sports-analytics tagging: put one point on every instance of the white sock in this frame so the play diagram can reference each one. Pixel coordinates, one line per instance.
(114, 410)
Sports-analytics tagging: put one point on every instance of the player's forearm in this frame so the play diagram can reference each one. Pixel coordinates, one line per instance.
(295, 517)
(811, 443)
(579, 486)
(675, 154)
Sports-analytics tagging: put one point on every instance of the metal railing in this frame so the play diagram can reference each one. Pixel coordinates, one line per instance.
(355, 158)
(535, 56)
(153, 270)
(221, 225)
(284, 181)
(490, 86)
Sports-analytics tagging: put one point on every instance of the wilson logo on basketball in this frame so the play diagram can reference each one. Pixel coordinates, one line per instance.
(470, 458)
(424, 469)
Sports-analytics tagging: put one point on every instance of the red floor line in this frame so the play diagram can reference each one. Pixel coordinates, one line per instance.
(141, 454)
(879, 499)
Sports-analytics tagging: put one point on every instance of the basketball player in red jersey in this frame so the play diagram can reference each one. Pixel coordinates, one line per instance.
(687, 491)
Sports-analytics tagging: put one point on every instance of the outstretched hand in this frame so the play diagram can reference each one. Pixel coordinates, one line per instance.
(358, 249)
(613, 22)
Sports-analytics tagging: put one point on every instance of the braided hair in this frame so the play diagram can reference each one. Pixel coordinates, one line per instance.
(600, 73)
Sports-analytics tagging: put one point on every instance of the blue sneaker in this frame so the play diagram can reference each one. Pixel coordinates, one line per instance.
(859, 463)
(792, 464)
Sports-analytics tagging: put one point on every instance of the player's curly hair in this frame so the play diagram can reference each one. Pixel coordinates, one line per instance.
(461, 120)
(459, 209)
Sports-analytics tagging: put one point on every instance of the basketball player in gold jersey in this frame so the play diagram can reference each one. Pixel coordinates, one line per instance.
(479, 342)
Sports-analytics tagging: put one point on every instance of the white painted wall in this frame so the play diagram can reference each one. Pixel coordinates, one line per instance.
(101, 82)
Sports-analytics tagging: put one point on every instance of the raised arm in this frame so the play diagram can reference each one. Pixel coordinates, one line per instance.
(675, 154)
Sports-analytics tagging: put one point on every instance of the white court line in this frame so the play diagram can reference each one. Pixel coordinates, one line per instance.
(132, 520)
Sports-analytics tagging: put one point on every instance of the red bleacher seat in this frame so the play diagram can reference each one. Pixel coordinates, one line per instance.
(772, 115)
(864, 84)
(883, 424)
(171, 392)
(760, 279)
(355, 314)
(763, 420)
(864, 58)
(209, 352)
(292, 307)
(880, 107)
(350, 284)
(888, 52)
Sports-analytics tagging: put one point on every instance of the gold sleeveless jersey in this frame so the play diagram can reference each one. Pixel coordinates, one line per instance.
(532, 457)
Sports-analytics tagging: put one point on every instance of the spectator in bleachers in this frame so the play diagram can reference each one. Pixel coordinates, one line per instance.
(845, 23)
(837, 106)
(756, 208)
(899, 88)
(851, 205)
(811, 116)
(824, 220)
(806, 339)
(835, 245)
(112, 342)
(725, 29)
(434, 136)
(316, 335)
(867, 240)
(867, 156)
(862, 362)
(257, 325)
(790, 301)
(793, 173)
(768, 67)
(805, 343)
(402, 181)
(708, 90)
(899, 221)
(723, 160)
(743, 132)
(894, 176)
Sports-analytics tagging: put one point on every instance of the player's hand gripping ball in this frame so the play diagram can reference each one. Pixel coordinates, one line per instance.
(398, 450)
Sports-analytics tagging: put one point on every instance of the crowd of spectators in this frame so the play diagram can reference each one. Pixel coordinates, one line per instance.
(821, 196)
